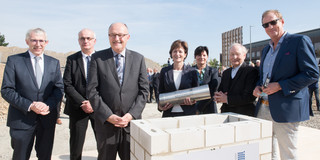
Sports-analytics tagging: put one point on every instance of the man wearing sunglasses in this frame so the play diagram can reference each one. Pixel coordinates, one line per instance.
(289, 64)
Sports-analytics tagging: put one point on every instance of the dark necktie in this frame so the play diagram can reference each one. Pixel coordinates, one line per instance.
(88, 58)
(119, 66)
(38, 71)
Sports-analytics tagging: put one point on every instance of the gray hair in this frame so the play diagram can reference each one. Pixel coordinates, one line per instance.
(243, 49)
(36, 31)
(94, 34)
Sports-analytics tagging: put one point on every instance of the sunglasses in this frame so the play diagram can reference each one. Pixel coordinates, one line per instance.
(274, 22)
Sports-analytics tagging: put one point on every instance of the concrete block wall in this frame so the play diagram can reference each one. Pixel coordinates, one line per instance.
(164, 138)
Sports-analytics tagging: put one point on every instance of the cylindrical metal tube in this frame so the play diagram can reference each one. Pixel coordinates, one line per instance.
(177, 97)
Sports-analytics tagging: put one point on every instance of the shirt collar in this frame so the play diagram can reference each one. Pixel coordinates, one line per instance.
(84, 55)
(32, 55)
(280, 41)
(123, 53)
(236, 68)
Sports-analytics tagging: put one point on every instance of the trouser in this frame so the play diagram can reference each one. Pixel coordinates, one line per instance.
(316, 95)
(284, 136)
(22, 142)
(113, 141)
(78, 128)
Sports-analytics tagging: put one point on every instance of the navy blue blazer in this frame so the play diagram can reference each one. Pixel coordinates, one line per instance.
(188, 80)
(295, 68)
(19, 88)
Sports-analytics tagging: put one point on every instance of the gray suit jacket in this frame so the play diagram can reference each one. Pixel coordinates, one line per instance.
(106, 95)
(20, 89)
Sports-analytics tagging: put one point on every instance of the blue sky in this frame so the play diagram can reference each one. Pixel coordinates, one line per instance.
(153, 24)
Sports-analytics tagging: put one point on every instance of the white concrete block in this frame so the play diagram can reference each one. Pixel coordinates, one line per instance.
(219, 134)
(246, 130)
(154, 140)
(244, 117)
(266, 156)
(138, 151)
(164, 123)
(186, 138)
(234, 144)
(135, 126)
(232, 118)
(132, 143)
(190, 121)
(266, 127)
(265, 145)
(170, 156)
(132, 157)
(210, 119)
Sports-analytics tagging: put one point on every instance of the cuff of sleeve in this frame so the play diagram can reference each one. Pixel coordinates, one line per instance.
(29, 109)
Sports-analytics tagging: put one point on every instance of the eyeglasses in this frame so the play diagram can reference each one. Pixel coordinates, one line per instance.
(86, 38)
(274, 22)
(34, 41)
(119, 35)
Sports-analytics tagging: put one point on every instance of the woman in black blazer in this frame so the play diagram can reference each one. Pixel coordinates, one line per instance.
(206, 75)
(175, 77)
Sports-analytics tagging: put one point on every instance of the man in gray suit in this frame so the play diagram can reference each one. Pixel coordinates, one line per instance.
(117, 91)
(32, 85)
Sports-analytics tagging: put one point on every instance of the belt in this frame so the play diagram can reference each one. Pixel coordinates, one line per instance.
(265, 102)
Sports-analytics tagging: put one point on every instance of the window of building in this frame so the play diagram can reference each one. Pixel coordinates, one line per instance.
(253, 55)
(258, 54)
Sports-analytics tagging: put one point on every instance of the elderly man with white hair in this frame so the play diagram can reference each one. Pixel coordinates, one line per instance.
(237, 84)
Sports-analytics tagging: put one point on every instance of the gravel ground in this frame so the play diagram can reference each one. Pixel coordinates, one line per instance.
(314, 121)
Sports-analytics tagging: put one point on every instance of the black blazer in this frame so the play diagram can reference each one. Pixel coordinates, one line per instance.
(74, 79)
(188, 80)
(19, 88)
(211, 77)
(240, 89)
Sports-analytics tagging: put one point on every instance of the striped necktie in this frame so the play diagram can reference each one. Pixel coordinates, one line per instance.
(119, 66)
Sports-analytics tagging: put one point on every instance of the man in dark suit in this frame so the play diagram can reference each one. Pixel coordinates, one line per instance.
(32, 85)
(155, 83)
(75, 81)
(150, 80)
(237, 84)
(289, 63)
(118, 91)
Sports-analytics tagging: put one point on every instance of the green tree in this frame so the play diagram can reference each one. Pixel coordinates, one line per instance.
(214, 63)
(2, 40)
(164, 65)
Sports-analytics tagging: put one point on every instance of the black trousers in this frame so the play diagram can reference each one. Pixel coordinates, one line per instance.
(22, 142)
(78, 128)
(113, 140)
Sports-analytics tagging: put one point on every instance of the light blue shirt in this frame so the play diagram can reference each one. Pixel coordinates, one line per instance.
(235, 70)
(270, 58)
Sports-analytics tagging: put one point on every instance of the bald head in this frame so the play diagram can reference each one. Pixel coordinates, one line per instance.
(87, 40)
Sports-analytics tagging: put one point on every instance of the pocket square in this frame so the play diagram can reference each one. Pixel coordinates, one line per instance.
(288, 53)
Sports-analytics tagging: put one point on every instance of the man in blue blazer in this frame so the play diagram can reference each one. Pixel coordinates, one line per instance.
(32, 85)
(289, 64)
